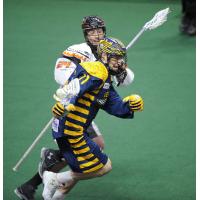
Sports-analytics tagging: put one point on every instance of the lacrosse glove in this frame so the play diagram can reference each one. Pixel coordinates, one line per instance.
(58, 110)
(135, 102)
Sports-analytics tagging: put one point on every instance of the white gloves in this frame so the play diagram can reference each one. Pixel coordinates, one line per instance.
(67, 91)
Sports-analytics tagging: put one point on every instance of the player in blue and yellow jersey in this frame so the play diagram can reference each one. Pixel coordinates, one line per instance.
(94, 30)
(95, 91)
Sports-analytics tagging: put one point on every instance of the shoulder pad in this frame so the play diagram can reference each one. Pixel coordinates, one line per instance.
(80, 51)
(96, 69)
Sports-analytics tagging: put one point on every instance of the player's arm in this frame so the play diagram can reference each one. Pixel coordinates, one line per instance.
(87, 83)
(63, 70)
(66, 64)
(72, 91)
(122, 108)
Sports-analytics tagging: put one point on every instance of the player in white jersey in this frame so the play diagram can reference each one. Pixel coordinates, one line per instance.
(94, 30)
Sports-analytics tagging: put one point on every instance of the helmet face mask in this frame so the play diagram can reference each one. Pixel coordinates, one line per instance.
(94, 30)
(113, 55)
(116, 64)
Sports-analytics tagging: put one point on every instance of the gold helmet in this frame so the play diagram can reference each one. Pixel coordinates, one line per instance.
(112, 47)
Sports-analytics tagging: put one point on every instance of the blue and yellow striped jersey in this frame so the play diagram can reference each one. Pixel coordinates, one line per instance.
(96, 92)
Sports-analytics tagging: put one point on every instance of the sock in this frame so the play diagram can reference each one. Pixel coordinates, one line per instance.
(64, 177)
(35, 181)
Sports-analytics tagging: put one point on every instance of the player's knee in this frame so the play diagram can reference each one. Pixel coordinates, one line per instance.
(99, 141)
(106, 169)
(101, 144)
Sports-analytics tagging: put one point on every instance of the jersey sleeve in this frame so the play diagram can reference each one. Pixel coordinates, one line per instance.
(63, 70)
(115, 106)
(87, 83)
(77, 53)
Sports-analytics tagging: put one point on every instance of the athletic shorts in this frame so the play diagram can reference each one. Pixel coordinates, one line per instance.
(85, 159)
(92, 131)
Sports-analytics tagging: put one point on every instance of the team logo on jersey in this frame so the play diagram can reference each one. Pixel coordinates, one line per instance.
(106, 86)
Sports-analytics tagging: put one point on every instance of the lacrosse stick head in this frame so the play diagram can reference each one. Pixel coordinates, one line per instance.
(159, 18)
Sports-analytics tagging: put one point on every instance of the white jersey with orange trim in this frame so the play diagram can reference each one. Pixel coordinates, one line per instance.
(67, 63)
(75, 54)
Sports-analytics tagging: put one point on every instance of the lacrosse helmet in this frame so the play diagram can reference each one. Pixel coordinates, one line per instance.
(113, 48)
(92, 22)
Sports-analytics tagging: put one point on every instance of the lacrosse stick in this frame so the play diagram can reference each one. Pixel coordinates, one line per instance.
(63, 95)
(159, 18)
(15, 168)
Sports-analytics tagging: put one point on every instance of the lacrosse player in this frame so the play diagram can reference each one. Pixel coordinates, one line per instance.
(94, 30)
(93, 91)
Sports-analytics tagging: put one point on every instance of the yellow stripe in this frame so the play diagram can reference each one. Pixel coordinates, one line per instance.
(91, 97)
(84, 102)
(83, 158)
(76, 117)
(81, 110)
(70, 124)
(82, 77)
(96, 91)
(79, 144)
(89, 163)
(73, 133)
(94, 168)
(75, 140)
(81, 150)
(86, 79)
(56, 112)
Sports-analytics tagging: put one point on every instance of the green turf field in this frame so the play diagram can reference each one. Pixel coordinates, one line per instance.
(153, 155)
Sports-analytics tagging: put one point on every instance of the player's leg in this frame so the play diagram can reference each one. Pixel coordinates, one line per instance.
(90, 164)
(52, 160)
(55, 163)
(62, 192)
(63, 182)
(49, 158)
(26, 191)
(95, 134)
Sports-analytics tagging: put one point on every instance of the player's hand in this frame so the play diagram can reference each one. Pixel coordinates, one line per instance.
(58, 110)
(136, 102)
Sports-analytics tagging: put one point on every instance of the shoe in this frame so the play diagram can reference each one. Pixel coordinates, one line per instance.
(191, 31)
(25, 192)
(185, 22)
(51, 184)
(49, 158)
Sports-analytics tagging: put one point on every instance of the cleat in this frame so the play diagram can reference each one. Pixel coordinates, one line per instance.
(25, 192)
(49, 158)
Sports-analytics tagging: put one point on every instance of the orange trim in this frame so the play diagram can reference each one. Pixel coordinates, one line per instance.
(63, 64)
(76, 55)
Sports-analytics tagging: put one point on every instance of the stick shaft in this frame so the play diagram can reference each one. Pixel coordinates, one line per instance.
(135, 38)
(27, 152)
